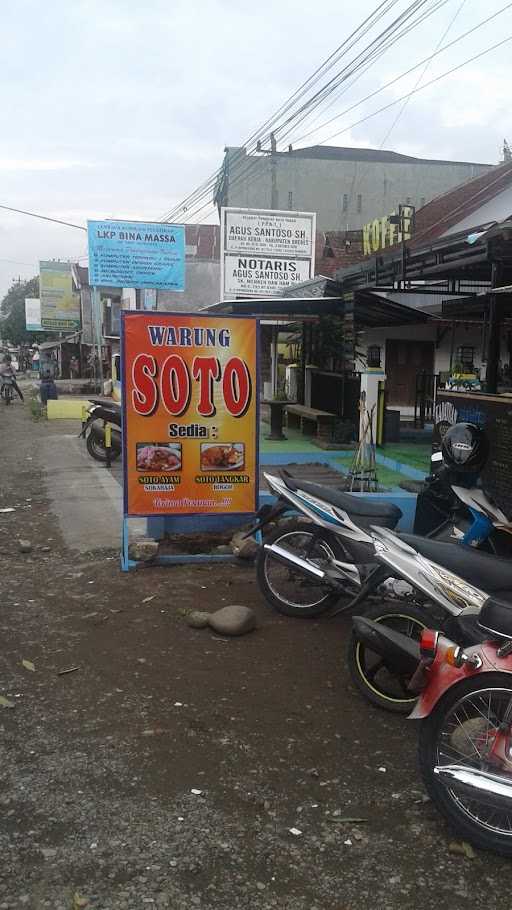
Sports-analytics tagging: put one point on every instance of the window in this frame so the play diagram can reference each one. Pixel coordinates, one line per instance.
(359, 203)
(465, 357)
(345, 202)
(408, 200)
(290, 201)
(373, 355)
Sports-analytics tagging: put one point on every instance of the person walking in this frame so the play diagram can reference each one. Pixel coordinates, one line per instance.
(74, 367)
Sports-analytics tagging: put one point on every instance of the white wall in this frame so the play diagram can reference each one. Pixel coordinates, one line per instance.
(471, 335)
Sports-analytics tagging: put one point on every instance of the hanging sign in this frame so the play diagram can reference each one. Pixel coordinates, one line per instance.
(264, 251)
(60, 305)
(136, 254)
(190, 431)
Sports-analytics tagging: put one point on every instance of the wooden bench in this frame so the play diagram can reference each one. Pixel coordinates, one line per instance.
(301, 416)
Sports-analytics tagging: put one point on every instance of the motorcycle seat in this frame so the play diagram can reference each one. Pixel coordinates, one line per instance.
(496, 617)
(364, 512)
(487, 572)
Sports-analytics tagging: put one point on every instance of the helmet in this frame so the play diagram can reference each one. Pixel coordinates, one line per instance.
(465, 448)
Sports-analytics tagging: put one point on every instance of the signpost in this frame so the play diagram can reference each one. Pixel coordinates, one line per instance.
(190, 416)
(264, 251)
(60, 306)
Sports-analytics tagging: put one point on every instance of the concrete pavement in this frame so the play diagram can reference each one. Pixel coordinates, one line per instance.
(85, 497)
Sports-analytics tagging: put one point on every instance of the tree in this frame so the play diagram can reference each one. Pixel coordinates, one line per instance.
(12, 313)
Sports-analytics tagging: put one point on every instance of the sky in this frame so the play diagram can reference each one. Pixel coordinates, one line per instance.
(115, 108)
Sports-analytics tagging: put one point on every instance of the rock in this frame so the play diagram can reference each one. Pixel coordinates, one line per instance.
(233, 620)
(143, 549)
(244, 548)
(197, 619)
(25, 546)
(48, 852)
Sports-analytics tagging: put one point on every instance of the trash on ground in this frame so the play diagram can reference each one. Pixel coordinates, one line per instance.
(5, 702)
(67, 670)
(462, 848)
(295, 831)
(29, 665)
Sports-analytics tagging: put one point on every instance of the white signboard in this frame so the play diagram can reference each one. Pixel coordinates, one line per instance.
(265, 251)
(261, 275)
(33, 314)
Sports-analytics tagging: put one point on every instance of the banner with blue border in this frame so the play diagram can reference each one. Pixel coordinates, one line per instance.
(136, 254)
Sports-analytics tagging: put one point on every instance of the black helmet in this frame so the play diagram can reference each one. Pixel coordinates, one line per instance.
(465, 448)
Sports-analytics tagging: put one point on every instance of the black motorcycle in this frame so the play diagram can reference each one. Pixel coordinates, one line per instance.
(101, 414)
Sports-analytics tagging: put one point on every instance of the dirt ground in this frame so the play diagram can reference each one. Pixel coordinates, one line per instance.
(98, 767)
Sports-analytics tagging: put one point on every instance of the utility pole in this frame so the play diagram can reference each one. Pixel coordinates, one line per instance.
(273, 173)
(274, 195)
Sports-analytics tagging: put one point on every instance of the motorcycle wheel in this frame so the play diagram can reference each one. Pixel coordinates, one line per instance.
(459, 729)
(97, 450)
(370, 673)
(289, 590)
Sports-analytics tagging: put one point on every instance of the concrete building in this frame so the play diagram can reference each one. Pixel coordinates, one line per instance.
(346, 187)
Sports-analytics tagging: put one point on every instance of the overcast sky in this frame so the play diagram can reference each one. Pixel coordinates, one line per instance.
(115, 108)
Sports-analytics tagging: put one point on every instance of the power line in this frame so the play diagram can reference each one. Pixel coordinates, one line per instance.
(375, 49)
(358, 33)
(449, 72)
(9, 208)
(407, 94)
(405, 73)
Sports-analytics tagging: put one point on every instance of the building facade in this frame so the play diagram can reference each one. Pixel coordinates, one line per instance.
(346, 187)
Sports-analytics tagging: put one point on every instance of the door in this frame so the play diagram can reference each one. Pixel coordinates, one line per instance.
(404, 360)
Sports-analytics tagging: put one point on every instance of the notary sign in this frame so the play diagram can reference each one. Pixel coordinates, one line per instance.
(265, 251)
(136, 254)
(190, 414)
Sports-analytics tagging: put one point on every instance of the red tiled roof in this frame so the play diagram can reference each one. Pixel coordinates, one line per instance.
(437, 216)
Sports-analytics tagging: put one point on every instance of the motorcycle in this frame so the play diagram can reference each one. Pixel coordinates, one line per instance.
(305, 568)
(99, 415)
(7, 389)
(465, 709)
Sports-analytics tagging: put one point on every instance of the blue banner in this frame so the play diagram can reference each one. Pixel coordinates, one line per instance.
(136, 254)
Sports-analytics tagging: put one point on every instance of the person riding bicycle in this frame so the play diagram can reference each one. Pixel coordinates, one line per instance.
(7, 371)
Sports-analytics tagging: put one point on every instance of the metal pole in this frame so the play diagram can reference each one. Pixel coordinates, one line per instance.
(96, 321)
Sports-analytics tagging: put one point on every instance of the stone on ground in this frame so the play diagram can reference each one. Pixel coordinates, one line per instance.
(143, 549)
(197, 619)
(25, 546)
(233, 620)
(244, 548)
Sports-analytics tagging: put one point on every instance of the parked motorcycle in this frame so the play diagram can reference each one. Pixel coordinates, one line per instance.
(99, 415)
(7, 389)
(465, 708)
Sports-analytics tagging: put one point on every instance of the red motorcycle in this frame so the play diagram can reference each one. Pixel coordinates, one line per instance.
(465, 708)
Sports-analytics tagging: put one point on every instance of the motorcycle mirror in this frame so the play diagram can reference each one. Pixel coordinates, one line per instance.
(436, 457)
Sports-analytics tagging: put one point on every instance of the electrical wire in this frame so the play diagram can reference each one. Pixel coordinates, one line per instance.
(378, 46)
(347, 44)
(9, 208)
(415, 91)
(326, 65)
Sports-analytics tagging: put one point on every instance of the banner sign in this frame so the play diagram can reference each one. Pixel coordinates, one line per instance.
(136, 254)
(33, 314)
(265, 251)
(60, 305)
(190, 411)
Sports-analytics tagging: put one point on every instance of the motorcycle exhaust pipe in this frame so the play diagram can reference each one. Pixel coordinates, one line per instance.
(292, 559)
(399, 651)
(489, 789)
